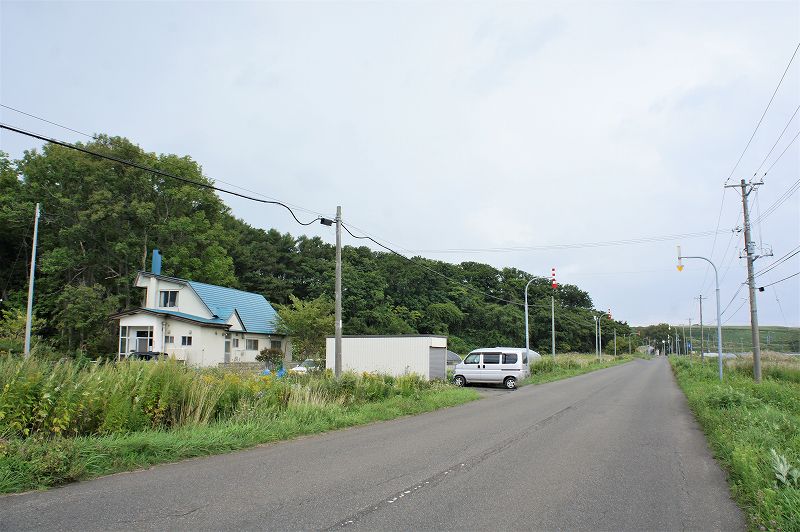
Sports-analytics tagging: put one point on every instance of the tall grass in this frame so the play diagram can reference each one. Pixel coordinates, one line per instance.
(42, 399)
(564, 366)
(745, 422)
(65, 421)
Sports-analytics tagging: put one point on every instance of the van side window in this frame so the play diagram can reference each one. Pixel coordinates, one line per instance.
(493, 358)
(509, 358)
(474, 358)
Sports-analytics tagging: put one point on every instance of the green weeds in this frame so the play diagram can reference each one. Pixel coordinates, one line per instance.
(754, 430)
(61, 422)
(565, 366)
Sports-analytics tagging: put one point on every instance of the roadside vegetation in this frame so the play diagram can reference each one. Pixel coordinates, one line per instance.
(67, 421)
(754, 430)
(569, 365)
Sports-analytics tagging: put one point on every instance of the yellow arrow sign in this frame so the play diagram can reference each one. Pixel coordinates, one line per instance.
(680, 267)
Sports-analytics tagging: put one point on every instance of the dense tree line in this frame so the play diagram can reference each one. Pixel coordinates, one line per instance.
(101, 220)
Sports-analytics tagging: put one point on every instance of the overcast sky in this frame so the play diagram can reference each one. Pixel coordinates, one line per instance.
(448, 125)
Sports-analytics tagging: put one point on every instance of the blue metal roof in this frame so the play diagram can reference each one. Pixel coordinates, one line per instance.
(256, 313)
(200, 319)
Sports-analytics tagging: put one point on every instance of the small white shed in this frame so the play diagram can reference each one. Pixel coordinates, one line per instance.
(423, 354)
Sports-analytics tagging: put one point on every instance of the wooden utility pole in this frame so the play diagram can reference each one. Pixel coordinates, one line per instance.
(338, 296)
(749, 248)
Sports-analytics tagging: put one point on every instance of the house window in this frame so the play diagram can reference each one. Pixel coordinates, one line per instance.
(186, 340)
(251, 345)
(275, 344)
(235, 342)
(169, 298)
(123, 339)
(169, 340)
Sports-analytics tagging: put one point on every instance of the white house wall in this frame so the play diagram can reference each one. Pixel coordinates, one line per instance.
(393, 355)
(188, 301)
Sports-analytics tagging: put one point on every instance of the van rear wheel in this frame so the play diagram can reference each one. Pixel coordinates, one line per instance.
(459, 380)
(510, 383)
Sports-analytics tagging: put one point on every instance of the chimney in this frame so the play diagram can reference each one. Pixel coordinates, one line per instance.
(156, 265)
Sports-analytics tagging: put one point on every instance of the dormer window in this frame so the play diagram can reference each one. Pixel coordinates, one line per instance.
(169, 298)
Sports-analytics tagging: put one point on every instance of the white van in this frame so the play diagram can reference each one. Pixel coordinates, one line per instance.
(507, 365)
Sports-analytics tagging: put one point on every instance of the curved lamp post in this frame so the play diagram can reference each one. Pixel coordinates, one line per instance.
(527, 334)
(719, 320)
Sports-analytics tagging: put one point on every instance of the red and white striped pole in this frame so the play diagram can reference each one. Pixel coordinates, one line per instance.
(554, 284)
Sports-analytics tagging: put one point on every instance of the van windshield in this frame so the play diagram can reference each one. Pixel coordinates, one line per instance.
(472, 358)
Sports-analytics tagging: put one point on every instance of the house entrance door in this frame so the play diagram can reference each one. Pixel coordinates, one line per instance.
(227, 348)
(143, 341)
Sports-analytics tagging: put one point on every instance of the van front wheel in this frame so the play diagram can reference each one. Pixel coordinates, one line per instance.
(510, 383)
(459, 380)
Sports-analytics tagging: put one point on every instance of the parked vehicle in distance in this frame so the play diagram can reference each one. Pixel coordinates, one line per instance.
(305, 366)
(147, 355)
(506, 365)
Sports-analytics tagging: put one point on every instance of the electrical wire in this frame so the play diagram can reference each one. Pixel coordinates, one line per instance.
(780, 281)
(714, 244)
(776, 142)
(95, 137)
(48, 121)
(459, 283)
(763, 114)
(735, 312)
(781, 155)
(778, 262)
(732, 299)
(155, 171)
(794, 187)
(547, 247)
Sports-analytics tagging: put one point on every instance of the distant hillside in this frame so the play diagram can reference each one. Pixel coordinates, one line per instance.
(735, 338)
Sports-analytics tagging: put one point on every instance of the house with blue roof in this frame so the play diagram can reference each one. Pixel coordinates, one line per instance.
(197, 323)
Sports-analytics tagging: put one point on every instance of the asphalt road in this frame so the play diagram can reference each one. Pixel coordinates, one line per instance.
(616, 449)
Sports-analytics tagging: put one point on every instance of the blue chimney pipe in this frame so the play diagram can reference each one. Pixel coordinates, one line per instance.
(156, 266)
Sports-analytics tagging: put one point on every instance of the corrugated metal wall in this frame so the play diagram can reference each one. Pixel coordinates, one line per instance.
(394, 355)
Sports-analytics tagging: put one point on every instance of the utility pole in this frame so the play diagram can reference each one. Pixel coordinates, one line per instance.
(29, 322)
(553, 310)
(338, 288)
(702, 338)
(749, 248)
(596, 351)
(615, 341)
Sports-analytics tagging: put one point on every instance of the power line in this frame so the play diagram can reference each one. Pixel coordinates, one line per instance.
(763, 114)
(714, 244)
(781, 155)
(731, 301)
(48, 121)
(781, 199)
(735, 312)
(154, 170)
(95, 137)
(779, 261)
(459, 283)
(777, 141)
(779, 281)
(547, 247)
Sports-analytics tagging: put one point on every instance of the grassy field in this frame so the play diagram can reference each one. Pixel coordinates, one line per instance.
(569, 365)
(754, 431)
(63, 422)
(738, 339)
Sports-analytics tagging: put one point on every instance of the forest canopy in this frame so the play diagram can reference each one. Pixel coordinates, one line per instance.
(101, 219)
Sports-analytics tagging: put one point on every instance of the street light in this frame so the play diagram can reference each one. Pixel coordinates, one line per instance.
(719, 320)
(527, 334)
